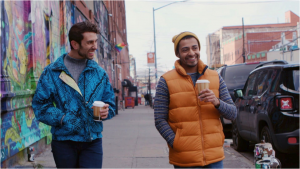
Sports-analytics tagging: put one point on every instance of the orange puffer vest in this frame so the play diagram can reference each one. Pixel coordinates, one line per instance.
(199, 135)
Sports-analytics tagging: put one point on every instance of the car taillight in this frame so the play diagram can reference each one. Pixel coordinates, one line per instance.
(292, 140)
(285, 103)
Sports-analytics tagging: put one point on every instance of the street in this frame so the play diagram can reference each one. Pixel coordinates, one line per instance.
(130, 140)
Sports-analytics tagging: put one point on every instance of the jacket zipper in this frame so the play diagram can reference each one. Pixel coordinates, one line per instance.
(87, 113)
(201, 128)
(88, 121)
(84, 103)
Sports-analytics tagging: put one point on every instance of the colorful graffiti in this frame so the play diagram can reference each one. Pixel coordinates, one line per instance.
(26, 48)
(18, 46)
(66, 21)
(39, 39)
(34, 34)
(79, 17)
(55, 36)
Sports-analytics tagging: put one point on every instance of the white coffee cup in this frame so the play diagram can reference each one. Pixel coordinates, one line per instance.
(202, 84)
(98, 105)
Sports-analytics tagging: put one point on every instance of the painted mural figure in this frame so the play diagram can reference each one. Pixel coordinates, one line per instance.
(187, 119)
(64, 100)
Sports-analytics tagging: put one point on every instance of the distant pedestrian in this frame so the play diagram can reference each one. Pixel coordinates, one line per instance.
(64, 99)
(146, 99)
(190, 123)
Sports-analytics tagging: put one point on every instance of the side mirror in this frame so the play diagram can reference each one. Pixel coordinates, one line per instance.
(238, 93)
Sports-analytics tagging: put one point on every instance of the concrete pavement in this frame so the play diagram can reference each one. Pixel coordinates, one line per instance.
(130, 140)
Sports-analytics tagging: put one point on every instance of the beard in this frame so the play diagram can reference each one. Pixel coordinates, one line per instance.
(186, 63)
(192, 65)
(81, 54)
(84, 55)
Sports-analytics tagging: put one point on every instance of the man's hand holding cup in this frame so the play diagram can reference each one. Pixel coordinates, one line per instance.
(205, 94)
(100, 110)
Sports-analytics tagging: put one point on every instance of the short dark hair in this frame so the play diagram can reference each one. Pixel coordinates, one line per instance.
(78, 29)
(186, 37)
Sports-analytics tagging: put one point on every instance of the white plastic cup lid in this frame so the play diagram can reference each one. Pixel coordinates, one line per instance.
(202, 81)
(98, 103)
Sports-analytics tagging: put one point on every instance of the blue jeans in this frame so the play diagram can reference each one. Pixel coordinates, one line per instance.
(213, 165)
(71, 154)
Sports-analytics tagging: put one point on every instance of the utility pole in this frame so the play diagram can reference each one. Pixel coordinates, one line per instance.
(150, 96)
(135, 80)
(154, 50)
(282, 46)
(244, 59)
(149, 87)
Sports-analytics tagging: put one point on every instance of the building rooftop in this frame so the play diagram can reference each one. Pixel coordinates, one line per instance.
(291, 19)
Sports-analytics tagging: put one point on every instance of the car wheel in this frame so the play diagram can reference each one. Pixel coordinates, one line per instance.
(265, 133)
(239, 143)
(283, 157)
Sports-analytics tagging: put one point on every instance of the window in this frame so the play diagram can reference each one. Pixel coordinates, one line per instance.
(249, 57)
(291, 79)
(263, 54)
(258, 55)
(235, 76)
(253, 56)
(250, 85)
(274, 80)
(296, 80)
(262, 83)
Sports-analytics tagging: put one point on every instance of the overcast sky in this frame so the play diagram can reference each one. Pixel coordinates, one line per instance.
(201, 17)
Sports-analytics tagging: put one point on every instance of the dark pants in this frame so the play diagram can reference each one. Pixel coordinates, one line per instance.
(71, 154)
(213, 165)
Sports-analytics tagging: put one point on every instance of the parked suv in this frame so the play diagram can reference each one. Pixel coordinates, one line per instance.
(235, 77)
(268, 107)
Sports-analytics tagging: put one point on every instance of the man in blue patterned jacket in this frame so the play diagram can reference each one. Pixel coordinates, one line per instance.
(64, 96)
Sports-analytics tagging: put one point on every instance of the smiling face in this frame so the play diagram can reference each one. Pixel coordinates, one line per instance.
(189, 54)
(88, 46)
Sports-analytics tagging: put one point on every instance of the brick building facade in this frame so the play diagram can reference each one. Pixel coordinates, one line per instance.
(225, 46)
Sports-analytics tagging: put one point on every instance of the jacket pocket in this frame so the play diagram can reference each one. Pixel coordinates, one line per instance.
(221, 132)
(71, 125)
(176, 139)
(96, 127)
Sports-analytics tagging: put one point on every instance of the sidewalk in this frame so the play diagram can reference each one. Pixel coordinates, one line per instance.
(130, 140)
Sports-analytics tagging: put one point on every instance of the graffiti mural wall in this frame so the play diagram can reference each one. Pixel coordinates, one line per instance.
(30, 40)
(55, 31)
(34, 34)
(65, 23)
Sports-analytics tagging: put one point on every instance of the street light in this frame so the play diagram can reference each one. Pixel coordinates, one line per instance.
(155, 38)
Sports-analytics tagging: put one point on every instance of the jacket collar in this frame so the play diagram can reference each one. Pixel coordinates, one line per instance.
(59, 64)
(201, 67)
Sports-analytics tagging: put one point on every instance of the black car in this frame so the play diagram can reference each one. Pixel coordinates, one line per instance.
(235, 77)
(268, 107)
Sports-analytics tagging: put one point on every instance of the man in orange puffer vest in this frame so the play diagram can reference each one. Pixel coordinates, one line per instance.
(188, 122)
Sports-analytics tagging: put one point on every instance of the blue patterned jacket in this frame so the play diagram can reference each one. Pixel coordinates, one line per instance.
(66, 106)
